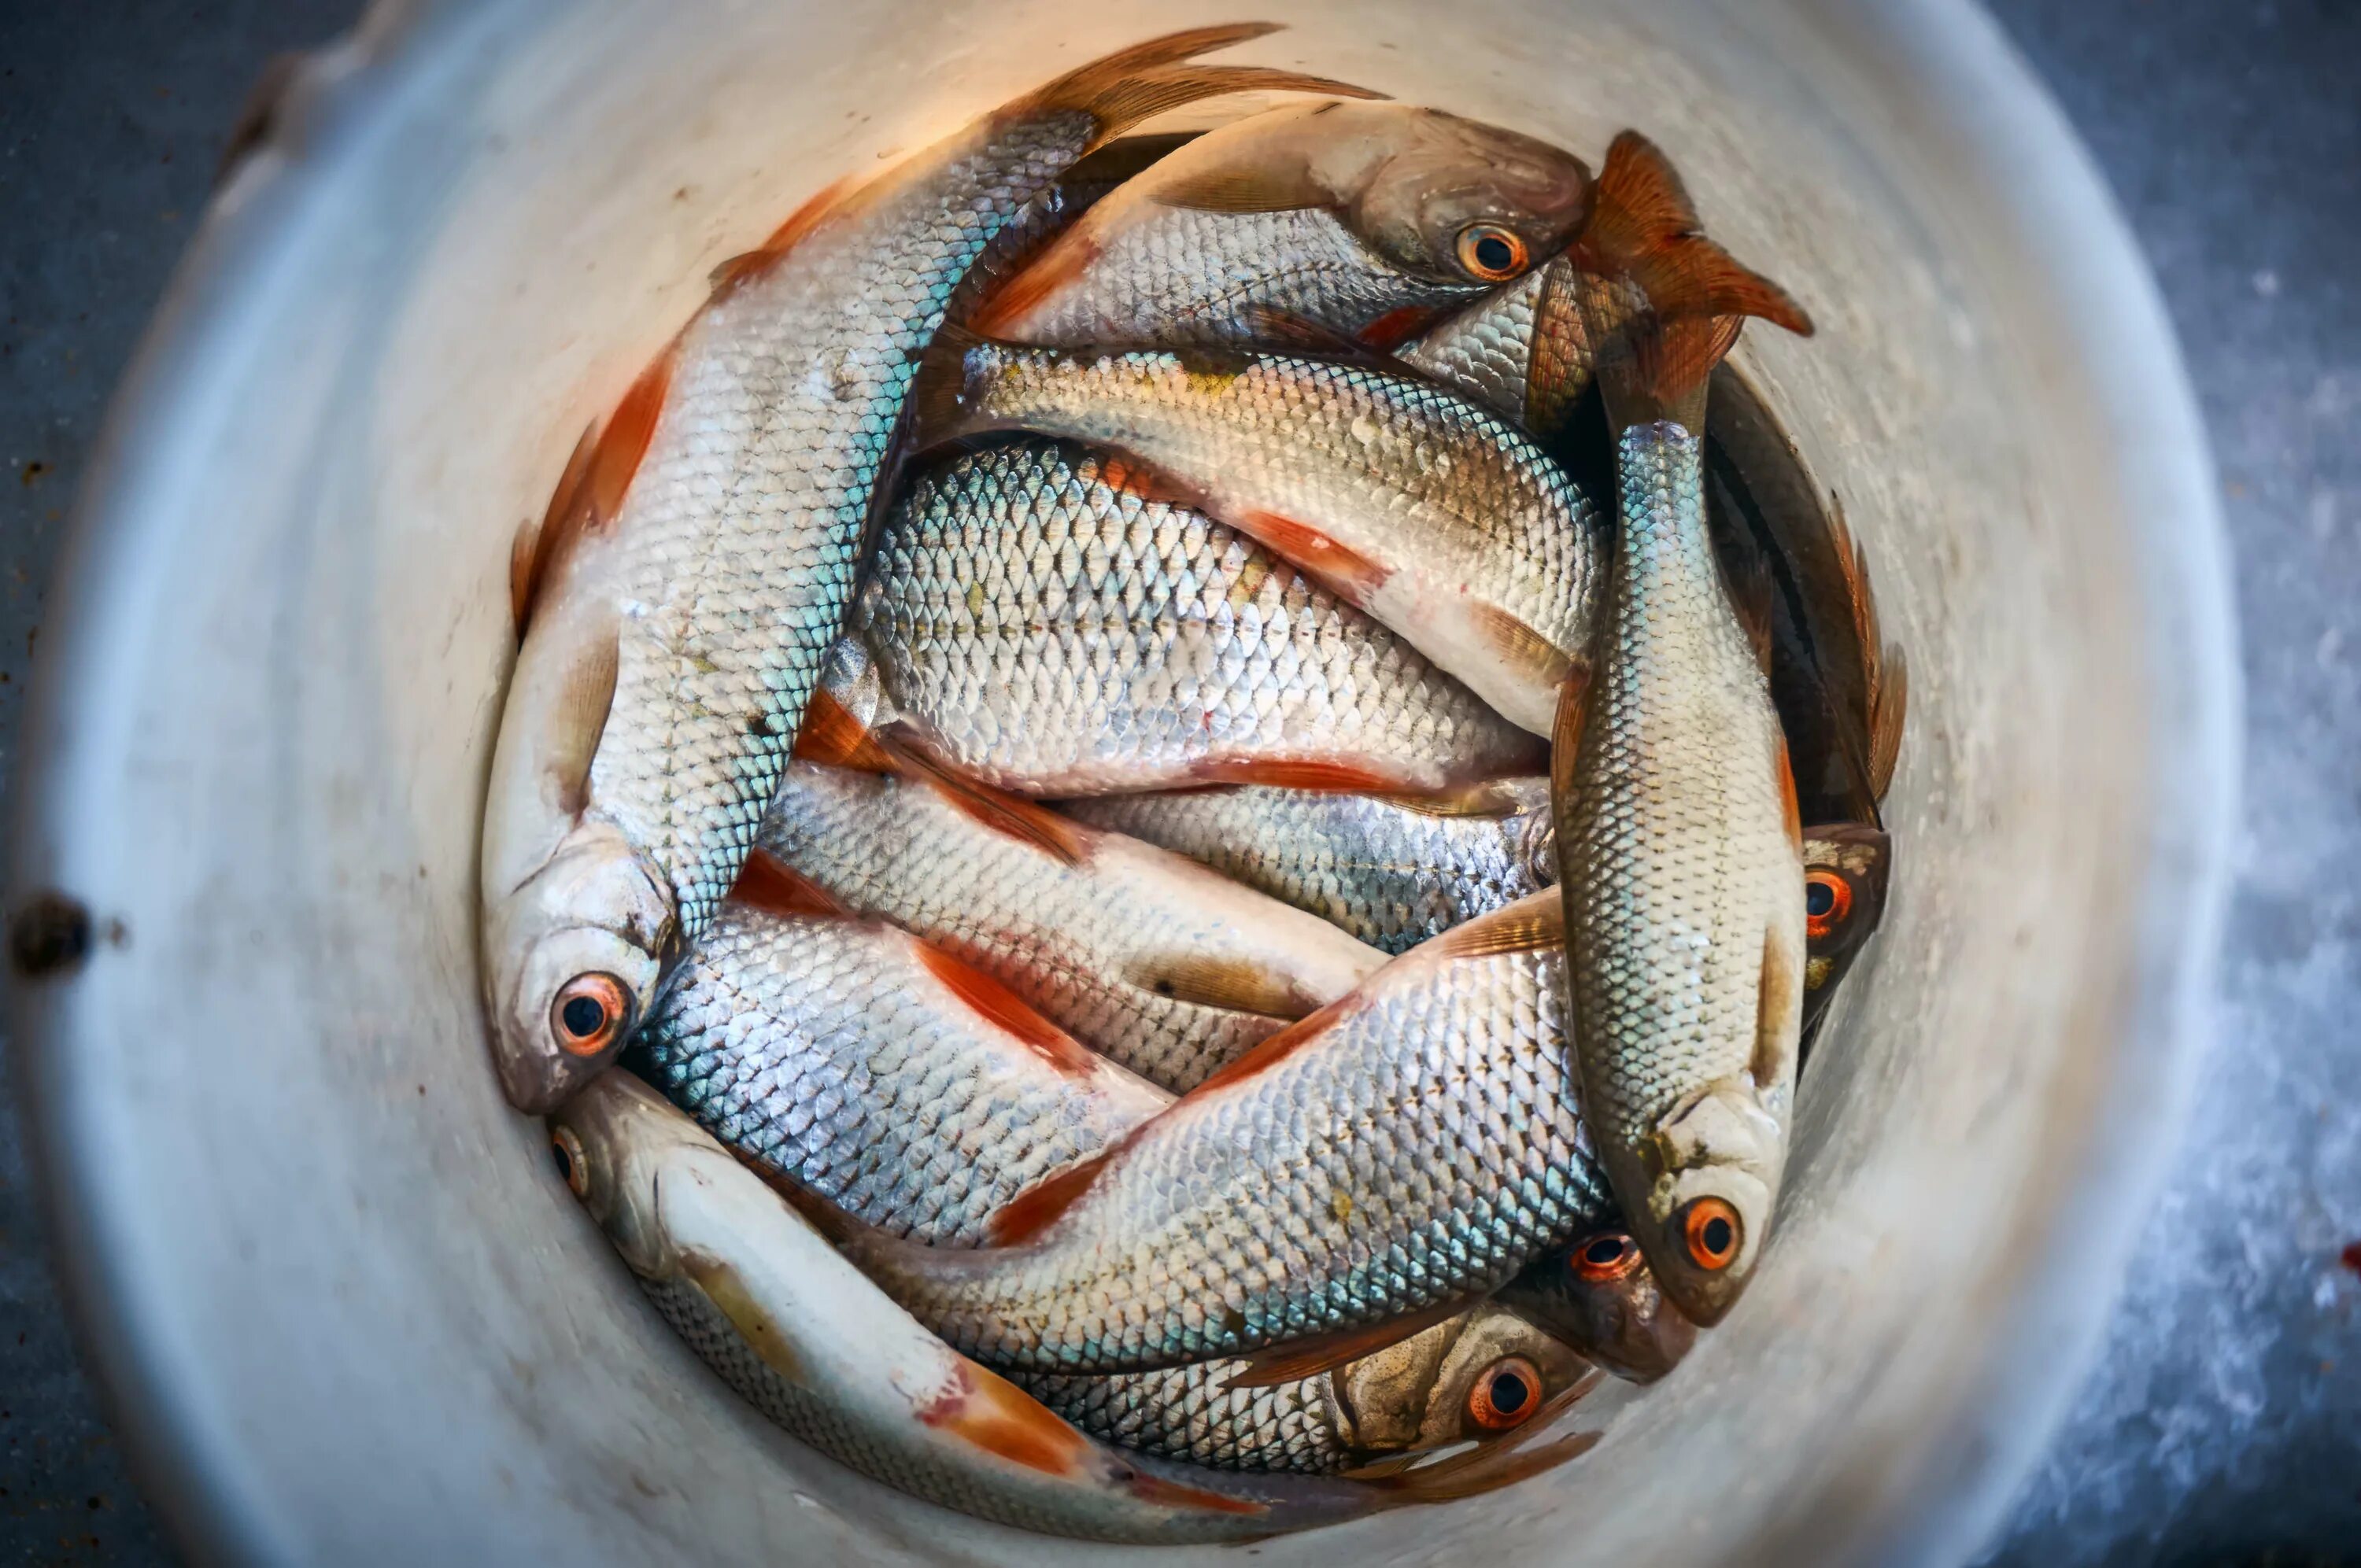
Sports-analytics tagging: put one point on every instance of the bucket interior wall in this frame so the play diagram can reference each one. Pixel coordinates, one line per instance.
(364, 1317)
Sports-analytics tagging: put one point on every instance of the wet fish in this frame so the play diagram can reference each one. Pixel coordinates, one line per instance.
(1599, 1297)
(1365, 219)
(1042, 620)
(1479, 1375)
(1054, 211)
(1377, 1168)
(1680, 857)
(888, 1076)
(696, 563)
(1393, 871)
(797, 1332)
(1432, 515)
(1529, 351)
(1160, 964)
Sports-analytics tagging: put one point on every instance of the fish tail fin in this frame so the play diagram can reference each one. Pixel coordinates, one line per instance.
(1120, 90)
(1643, 226)
(1659, 368)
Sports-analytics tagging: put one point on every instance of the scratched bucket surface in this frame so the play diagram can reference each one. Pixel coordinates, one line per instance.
(347, 1311)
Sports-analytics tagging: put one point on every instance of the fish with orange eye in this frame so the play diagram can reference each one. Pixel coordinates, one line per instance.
(1599, 1296)
(1845, 873)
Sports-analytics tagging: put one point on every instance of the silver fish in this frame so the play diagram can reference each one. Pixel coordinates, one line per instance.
(1434, 516)
(1524, 353)
(1039, 622)
(889, 1077)
(1393, 1157)
(1359, 218)
(1157, 963)
(1681, 862)
(796, 1330)
(1484, 1373)
(1394, 870)
(696, 561)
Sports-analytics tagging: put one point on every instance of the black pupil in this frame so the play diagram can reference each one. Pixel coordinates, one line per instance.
(584, 1016)
(1495, 254)
(1508, 1393)
(565, 1161)
(1606, 1250)
(1820, 898)
(1716, 1237)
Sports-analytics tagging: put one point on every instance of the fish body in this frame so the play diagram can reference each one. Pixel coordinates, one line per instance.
(1404, 1151)
(1680, 862)
(1354, 217)
(795, 1329)
(1432, 515)
(890, 1078)
(1038, 623)
(1393, 871)
(697, 562)
(1468, 1379)
(1524, 353)
(1160, 964)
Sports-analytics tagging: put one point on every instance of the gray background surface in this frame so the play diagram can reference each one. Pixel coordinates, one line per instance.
(2225, 1424)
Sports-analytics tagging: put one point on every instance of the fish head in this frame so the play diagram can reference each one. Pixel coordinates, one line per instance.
(1600, 1297)
(572, 957)
(1465, 202)
(1845, 871)
(612, 1144)
(1501, 1373)
(1716, 1161)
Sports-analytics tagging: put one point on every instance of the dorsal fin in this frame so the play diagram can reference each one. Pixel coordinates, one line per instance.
(528, 555)
(1120, 90)
(1643, 226)
(1039, 1206)
(589, 494)
(1269, 1052)
(1890, 706)
(1286, 330)
(1291, 1361)
(769, 884)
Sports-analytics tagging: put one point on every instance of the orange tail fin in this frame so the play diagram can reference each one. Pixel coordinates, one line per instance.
(1642, 226)
(1119, 90)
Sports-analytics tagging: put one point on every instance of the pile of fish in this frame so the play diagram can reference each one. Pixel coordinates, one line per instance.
(1176, 775)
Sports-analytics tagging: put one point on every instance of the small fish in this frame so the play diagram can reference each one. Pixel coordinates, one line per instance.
(1374, 1169)
(1599, 1298)
(1365, 219)
(1040, 619)
(812, 1345)
(695, 564)
(1529, 352)
(1472, 1379)
(888, 1076)
(1432, 515)
(1680, 857)
(1158, 963)
(1393, 871)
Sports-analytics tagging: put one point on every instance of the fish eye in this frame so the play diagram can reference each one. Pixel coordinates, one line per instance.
(1828, 899)
(1607, 1257)
(1491, 253)
(1712, 1231)
(1505, 1393)
(565, 1151)
(588, 1015)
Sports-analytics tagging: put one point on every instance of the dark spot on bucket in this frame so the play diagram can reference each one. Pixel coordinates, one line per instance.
(49, 936)
(32, 471)
(2351, 1256)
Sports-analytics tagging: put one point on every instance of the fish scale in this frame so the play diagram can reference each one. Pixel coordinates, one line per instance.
(831, 1052)
(1410, 1147)
(1057, 633)
(1434, 516)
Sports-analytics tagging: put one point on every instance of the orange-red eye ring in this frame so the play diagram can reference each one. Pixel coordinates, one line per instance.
(1821, 922)
(572, 1164)
(1606, 1257)
(1491, 253)
(588, 1014)
(1713, 1233)
(1505, 1393)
